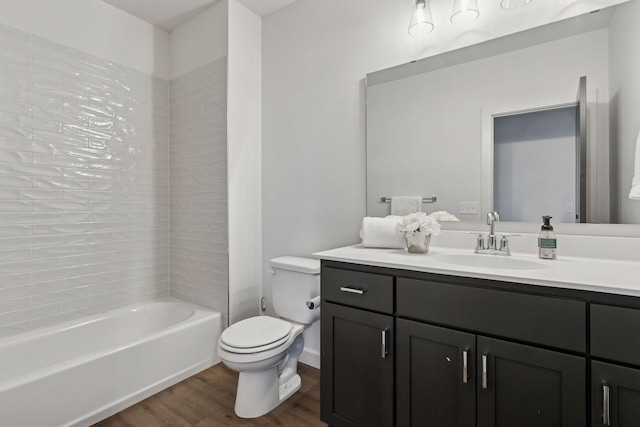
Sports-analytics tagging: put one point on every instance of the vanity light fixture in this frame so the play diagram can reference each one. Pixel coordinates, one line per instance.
(464, 11)
(514, 4)
(421, 22)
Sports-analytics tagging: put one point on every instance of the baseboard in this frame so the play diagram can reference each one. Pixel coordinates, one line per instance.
(310, 357)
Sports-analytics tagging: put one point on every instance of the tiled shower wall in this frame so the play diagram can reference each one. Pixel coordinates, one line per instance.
(199, 236)
(84, 183)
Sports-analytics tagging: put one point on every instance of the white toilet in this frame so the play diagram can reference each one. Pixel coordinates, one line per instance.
(265, 350)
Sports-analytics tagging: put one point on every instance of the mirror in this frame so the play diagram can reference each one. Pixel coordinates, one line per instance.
(430, 123)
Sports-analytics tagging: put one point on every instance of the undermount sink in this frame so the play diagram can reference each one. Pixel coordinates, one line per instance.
(489, 261)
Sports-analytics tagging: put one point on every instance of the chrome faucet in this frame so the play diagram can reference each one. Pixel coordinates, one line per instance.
(491, 246)
(492, 241)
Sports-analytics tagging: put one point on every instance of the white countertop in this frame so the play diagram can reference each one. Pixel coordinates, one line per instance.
(590, 274)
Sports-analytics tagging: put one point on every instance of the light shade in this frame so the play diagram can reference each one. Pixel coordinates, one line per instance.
(514, 4)
(421, 22)
(464, 11)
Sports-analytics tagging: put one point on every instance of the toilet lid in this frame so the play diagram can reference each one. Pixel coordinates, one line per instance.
(256, 332)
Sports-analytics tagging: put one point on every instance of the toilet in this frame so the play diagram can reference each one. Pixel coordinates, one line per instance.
(264, 349)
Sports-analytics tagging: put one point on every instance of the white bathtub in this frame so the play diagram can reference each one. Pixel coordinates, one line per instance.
(78, 373)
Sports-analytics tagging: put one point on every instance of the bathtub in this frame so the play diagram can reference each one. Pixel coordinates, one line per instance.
(80, 372)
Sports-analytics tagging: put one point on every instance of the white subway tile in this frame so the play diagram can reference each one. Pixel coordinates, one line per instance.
(11, 280)
(30, 265)
(59, 251)
(61, 228)
(14, 230)
(59, 273)
(86, 168)
(14, 255)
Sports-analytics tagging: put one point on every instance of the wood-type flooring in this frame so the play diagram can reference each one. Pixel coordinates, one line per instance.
(207, 399)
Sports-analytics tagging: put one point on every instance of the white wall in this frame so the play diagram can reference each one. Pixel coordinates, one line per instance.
(625, 106)
(229, 28)
(244, 159)
(199, 166)
(93, 27)
(200, 41)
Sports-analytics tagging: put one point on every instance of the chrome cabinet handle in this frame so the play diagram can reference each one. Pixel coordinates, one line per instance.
(384, 344)
(465, 366)
(353, 290)
(606, 415)
(484, 371)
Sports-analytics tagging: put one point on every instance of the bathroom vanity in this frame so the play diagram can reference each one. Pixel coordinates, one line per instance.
(445, 340)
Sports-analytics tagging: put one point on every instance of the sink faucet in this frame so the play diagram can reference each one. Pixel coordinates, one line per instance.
(491, 246)
(492, 241)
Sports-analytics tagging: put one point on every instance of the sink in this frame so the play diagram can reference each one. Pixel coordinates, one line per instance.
(489, 261)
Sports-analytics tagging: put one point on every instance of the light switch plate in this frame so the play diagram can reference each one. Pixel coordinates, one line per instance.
(468, 208)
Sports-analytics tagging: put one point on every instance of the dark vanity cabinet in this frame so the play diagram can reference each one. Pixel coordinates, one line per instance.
(527, 386)
(357, 375)
(436, 376)
(405, 348)
(475, 361)
(615, 368)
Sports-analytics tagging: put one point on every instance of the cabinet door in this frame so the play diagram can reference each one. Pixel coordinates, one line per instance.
(615, 395)
(525, 386)
(357, 367)
(435, 381)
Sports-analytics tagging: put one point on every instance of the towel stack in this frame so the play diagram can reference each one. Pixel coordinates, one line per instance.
(381, 233)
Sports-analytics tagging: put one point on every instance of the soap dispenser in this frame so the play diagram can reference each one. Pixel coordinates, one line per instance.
(547, 244)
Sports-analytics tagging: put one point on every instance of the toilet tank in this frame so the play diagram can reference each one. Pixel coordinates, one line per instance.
(295, 281)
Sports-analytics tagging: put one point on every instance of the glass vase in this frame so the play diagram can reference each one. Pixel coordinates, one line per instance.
(418, 244)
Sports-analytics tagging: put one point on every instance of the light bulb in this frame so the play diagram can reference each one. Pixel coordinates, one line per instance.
(464, 11)
(421, 22)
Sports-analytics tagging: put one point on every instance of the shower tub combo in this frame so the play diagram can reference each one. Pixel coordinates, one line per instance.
(80, 372)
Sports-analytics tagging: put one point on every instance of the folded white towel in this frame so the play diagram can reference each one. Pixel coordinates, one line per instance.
(404, 205)
(635, 183)
(381, 233)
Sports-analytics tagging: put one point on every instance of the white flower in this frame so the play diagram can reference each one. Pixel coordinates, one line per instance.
(442, 216)
(418, 223)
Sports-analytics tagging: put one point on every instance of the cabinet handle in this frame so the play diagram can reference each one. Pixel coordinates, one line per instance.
(384, 344)
(484, 371)
(606, 416)
(465, 365)
(353, 290)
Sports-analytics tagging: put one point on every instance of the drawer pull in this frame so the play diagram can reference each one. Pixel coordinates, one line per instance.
(484, 371)
(606, 415)
(353, 290)
(384, 344)
(465, 374)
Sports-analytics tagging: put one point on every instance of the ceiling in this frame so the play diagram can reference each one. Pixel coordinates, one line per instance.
(169, 14)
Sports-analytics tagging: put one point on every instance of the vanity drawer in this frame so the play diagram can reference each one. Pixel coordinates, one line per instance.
(556, 322)
(364, 290)
(615, 333)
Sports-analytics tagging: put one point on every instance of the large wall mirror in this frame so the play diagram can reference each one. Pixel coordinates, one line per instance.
(477, 127)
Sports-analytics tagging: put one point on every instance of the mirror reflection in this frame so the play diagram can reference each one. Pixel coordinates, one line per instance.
(436, 127)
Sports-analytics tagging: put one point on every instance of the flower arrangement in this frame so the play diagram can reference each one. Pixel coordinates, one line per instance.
(442, 216)
(418, 224)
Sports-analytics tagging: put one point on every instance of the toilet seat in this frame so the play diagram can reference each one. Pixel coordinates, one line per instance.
(255, 334)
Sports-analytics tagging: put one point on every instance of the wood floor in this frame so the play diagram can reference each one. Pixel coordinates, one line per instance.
(207, 399)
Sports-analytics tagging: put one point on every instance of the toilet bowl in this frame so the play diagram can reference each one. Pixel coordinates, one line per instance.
(268, 371)
(264, 350)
